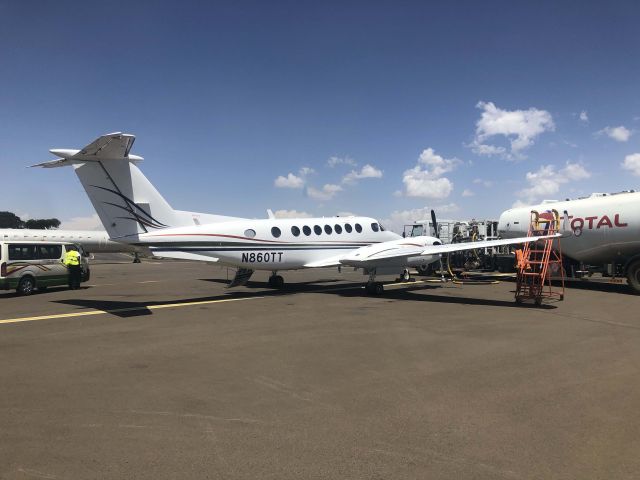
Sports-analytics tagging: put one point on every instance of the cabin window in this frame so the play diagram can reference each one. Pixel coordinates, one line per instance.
(306, 230)
(296, 231)
(374, 227)
(250, 232)
(328, 230)
(358, 228)
(348, 228)
(275, 231)
(437, 242)
(317, 229)
(337, 228)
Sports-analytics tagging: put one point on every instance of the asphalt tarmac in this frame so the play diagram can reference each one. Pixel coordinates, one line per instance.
(157, 371)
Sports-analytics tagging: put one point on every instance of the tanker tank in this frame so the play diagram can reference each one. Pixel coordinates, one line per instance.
(605, 230)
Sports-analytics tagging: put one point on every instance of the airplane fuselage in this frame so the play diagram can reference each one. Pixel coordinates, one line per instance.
(271, 244)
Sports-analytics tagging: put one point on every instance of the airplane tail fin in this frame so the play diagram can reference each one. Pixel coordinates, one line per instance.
(126, 202)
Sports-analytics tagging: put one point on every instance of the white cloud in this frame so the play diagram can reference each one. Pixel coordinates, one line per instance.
(484, 183)
(334, 161)
(521, 127)
(426, 180)
(399, 218)
(82, 223)
(327, 192)
(546, 181)
(292, 180)
(368, 171)
(632, 163)
(291, 214)
(346, 214)
(467, 193)
(305, 171)
(583, 116)
(619, 134)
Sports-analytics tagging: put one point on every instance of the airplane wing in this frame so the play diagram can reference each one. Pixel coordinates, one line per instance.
(399, 251)
(457, 247)
(327, 262)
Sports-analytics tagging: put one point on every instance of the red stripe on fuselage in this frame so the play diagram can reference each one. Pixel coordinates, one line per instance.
(247, 238)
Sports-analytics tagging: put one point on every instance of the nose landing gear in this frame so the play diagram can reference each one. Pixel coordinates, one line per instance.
(372, 287)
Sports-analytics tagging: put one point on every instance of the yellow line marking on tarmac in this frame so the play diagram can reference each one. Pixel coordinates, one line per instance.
(86, 313)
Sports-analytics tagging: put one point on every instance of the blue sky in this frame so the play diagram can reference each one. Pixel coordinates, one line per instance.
(467, 107)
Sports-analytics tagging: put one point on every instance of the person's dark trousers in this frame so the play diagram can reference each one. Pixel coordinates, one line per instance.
(75, 272)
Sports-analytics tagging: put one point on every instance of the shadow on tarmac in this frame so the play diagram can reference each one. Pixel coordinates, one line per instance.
(415, 293)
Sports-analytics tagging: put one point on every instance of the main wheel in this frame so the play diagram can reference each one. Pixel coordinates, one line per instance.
(633, 276)
(378, 288)
(26, 286)
(425, 269)
(276, 281)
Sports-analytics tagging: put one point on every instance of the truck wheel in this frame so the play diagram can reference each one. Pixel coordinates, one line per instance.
(633, 276)
(26, 286)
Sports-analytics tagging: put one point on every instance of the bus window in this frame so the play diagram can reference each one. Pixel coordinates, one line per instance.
(22, 252)
(49, 252)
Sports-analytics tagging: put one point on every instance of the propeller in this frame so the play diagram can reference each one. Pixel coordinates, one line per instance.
(435, 224)
(435, 229)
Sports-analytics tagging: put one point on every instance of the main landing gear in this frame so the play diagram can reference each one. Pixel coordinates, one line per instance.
(276, 281)
(372, 287)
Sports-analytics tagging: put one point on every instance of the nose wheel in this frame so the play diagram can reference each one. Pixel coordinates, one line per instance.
(374, 288)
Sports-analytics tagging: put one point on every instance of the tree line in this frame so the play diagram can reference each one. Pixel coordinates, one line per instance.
(11, 220)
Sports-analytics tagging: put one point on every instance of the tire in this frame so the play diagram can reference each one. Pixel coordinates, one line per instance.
(26, 286)
(425, 269)
(378, 288)
(276, 281)
(633, 275)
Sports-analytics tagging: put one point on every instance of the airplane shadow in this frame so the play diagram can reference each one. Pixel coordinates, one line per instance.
(136, 309)
(256, 284)
(416, 294)
(127, 309)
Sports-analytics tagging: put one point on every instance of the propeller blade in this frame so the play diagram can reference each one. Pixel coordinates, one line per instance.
(435, 224)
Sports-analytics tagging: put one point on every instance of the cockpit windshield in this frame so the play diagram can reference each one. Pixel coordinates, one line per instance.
(417, 230)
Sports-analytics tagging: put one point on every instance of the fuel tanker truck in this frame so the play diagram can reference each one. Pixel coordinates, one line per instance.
(604, 231)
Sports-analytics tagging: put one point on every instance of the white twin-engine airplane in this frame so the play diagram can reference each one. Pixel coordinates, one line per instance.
(132, 211)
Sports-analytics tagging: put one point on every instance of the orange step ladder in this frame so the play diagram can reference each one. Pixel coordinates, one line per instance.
(538, 260)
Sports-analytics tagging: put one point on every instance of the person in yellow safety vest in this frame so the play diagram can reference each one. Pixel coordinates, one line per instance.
(72, 261)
